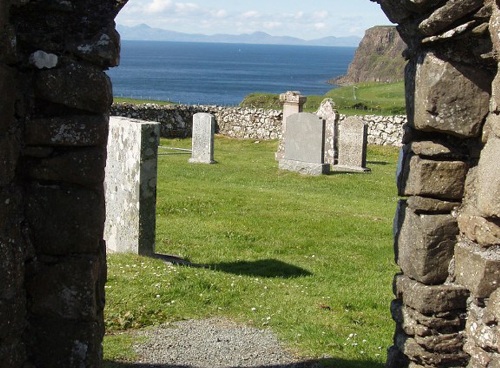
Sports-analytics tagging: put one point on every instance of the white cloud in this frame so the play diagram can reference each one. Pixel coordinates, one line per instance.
(159, 6)
(250, 14)
(220, 13)
(187, 8)
(272, 25)
(321, 14)
(320, 26)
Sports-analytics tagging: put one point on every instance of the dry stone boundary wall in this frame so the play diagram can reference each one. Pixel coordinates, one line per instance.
(237, 122)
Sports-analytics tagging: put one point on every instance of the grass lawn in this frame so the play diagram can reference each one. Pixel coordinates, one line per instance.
(309, 257)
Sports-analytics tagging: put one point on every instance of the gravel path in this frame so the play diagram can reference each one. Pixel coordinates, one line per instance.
(213, 343)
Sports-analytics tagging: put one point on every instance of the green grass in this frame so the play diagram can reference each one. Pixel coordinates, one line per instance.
(309, 257)
(360, 99)
(372, 98)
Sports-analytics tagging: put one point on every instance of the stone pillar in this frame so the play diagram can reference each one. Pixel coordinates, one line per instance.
(293, 103)
(53, 131)
(203, 139)
(130, 184)
(446, 227)
(15, 249)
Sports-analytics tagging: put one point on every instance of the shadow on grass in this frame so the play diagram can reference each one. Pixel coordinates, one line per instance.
(380, 163)
(261, 268)
(319, 363)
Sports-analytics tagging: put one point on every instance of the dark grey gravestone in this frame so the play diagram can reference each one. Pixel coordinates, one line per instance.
(305, 145)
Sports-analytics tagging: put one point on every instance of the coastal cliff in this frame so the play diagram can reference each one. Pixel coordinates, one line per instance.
(377, 59)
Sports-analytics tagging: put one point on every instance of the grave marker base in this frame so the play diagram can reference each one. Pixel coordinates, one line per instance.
(305, 168)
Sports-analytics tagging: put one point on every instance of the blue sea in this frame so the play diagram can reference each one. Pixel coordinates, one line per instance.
(223, 73)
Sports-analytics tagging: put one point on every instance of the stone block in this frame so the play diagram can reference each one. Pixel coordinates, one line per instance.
(492, 126)
(436, 150)
(414, 323)
(483, 334)
(494, 28)
(65, 290)
(441, 99)
(8, 93)
(65, 219)
(488, 180)
(83, 166)
(425, 245)
(12, 259)
(74, 131)
(76, 343)
(13, 354)
(477, 269)
(446, 15)
(12, 315)
(430, 178)
(478, 229)
(75, 86)
(425, 356)
(103, 49)
(10, 149)
(130, 183)
(395, 358)
(430, 299)
(421, 205)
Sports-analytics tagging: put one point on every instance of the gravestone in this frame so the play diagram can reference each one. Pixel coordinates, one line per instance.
(353, 136)
(331, 116)
(293, 103)
(203, 139)
(130, 186)
(305, 145)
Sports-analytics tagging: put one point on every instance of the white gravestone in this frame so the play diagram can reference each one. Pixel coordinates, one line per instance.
(203, 139)
(130, 186)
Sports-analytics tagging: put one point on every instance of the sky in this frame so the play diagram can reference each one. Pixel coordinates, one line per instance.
(303, 19)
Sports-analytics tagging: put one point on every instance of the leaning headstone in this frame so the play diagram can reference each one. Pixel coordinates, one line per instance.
(293, 103)
(130, 186)
(353, 136)
(203, 139)
(305, 145)
(331, 116)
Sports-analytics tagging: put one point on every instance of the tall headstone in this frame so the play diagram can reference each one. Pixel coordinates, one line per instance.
(331, 116)
(293, 103)
(130, 184)
(203, 139)
(305, 145)
(353, 135)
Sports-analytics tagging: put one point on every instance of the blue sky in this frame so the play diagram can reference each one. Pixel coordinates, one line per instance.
(303, 19)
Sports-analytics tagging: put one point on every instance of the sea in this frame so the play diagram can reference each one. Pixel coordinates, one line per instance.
(223, 73)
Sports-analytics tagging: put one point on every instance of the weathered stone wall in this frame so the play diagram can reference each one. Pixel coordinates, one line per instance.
(447, 231)
(54, 112)
(236, 122)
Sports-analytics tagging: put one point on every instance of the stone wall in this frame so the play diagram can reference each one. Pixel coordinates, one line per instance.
(54, 110)
(447, 230)
(236, 122)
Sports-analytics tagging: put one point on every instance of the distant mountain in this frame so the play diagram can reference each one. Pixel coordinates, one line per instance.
(143, 32)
